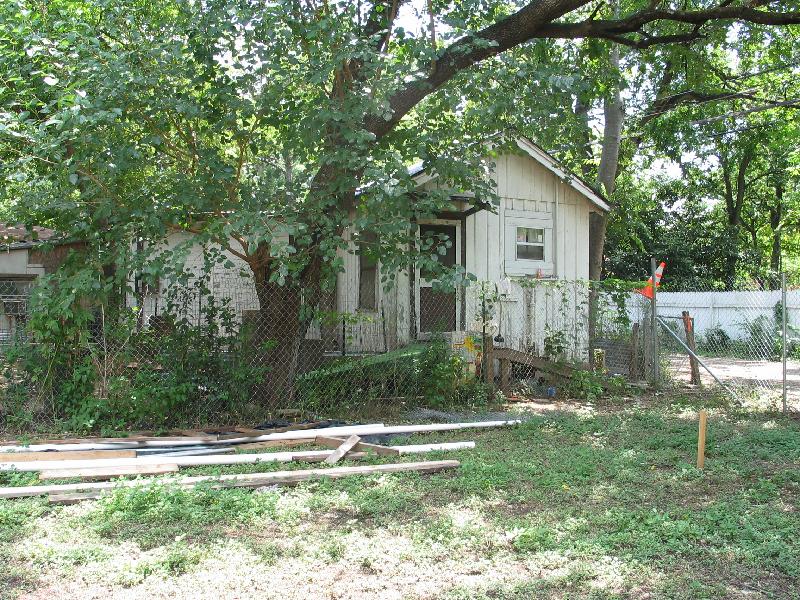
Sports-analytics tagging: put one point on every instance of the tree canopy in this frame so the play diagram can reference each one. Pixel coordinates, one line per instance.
(267, 129)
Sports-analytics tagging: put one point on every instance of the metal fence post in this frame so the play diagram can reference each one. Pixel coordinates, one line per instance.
(785, 337)
(654, 321)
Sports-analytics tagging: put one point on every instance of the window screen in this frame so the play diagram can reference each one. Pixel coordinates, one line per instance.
(530, 243)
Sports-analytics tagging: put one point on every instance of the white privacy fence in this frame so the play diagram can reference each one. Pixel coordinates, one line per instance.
(738, 338)
(730, 312)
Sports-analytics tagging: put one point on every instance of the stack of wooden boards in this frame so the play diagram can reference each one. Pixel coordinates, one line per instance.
(98, 459)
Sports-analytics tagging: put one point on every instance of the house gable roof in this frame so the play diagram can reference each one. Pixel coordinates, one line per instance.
(18, 236)
(552, 165)
(547, 161)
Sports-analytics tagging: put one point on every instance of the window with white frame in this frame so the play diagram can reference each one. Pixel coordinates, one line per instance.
(530, 243)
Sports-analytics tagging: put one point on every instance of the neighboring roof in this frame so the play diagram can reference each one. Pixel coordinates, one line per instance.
(552, 165)
(19, 236)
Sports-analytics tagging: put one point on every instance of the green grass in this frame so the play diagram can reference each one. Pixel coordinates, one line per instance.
(603, 504)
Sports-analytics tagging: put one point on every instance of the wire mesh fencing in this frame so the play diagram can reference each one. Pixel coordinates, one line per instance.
(221, 350)
(738, 338)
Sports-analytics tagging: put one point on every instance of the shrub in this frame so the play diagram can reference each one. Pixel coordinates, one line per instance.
(431, 374)
(124, 376)
(716, 339)
(588, 385)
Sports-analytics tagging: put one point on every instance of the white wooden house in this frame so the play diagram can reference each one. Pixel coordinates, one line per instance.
(533, 248)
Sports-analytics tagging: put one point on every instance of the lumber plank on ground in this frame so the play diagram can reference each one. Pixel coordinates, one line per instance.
(335, 442)
(239, 431)
(343, 449)
(66, 492)
(195, 452)
(181, 461)
(68, 455)
(72, 498)
(211, 460)
(380, 429)
(271, 444)
(422, 448)
(109, 472)
(117, 443)
(310, 434)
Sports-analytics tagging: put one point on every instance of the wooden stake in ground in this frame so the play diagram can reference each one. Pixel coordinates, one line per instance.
(343, 449)
(701, 440)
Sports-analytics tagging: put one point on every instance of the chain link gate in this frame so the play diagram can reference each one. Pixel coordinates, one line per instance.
(743, 340)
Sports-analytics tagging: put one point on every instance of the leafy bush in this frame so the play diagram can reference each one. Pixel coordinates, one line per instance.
(716, 339)
(430, 374)
(119, 375)
(555, 343)
(588, 385)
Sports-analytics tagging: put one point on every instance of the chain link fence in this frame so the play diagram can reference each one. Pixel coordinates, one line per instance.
(738, 337)
(221, 350)
(733, 339)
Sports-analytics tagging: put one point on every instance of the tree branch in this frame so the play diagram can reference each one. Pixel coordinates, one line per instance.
(616, 29)
(535, 20)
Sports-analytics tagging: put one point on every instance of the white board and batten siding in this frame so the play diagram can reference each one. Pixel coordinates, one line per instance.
(533, 196)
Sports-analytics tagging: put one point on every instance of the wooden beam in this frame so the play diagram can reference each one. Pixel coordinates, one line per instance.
(272, 444)
(259, 432)
(181, 461)
(197, 452)
(72, 498)
(310, 434)
(109, 472)
(190, 441)
(537, 362)
(694, 366)
(68, 455)
(487, 360)
(334, 442)
(343, 449)
(221, 459)
(237, 480)
(505, 376)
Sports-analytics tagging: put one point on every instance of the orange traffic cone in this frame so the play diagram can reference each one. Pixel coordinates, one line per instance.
(647, 291)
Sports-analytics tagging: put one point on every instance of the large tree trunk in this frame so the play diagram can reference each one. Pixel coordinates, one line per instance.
(281, 325)
(775, 218)
(607, 173)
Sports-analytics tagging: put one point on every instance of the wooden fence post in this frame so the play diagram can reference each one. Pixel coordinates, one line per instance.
(688, 326)
(701, 440)
(488, 360)
(505, 376)
(633, 369)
